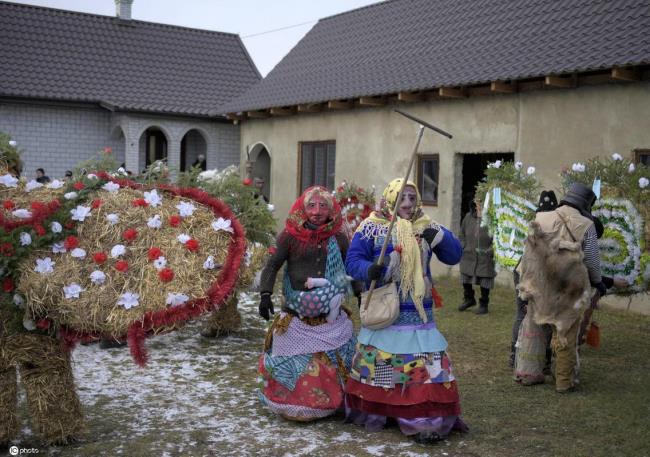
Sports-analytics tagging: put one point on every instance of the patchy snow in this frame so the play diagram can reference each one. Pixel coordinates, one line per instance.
(199, 397)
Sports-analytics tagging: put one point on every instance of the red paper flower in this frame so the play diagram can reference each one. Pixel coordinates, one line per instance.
(247, 181)
(96, 203)
(7, 249)
(79, 185)
(130, 234)
(154, 253)
(99, 257)
(140, 202)
(7, 285)
(37, 206)
(166, 274)
(43, 324)
(122, 265)
(192, 245)
(108, 150)
(39, 229)
(71, 242)
(174, 220)
(8, 204)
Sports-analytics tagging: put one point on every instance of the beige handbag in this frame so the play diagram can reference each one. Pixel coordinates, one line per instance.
(383, 308)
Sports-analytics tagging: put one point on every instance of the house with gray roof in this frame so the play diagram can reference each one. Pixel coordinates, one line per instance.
(544, 82)
(73, 83)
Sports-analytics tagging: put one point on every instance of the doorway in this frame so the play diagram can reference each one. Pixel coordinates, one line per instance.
(474, 166)
(155, 146)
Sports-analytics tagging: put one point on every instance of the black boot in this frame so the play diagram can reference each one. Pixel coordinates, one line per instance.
(511, 360)
(468, 297)
(484, 301)
(547, 365)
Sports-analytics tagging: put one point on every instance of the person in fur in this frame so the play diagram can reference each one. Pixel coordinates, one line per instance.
(477, 264)
(403, 372)
(309, 346)
(560, 265)
(547, 202)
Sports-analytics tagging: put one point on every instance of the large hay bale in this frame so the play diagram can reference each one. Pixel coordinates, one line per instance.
(146, 298)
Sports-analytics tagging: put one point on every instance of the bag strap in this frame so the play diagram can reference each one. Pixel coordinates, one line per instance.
(566, 225)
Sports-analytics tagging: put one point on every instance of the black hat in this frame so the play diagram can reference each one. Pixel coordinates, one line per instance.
(580, 197)
(547, 201)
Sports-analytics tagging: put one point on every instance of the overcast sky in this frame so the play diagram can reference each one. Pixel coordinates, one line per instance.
(245, 17)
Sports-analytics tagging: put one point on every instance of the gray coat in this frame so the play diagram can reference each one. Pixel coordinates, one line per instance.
(478, 255)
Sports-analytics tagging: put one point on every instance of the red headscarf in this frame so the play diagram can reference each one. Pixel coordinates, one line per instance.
(295, 224)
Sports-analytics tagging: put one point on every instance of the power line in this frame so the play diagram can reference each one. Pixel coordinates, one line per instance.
(280, 29)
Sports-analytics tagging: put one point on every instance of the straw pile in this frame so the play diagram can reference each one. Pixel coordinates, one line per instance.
(96, 310)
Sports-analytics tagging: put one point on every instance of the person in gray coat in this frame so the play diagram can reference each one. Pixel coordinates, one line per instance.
(477, 263)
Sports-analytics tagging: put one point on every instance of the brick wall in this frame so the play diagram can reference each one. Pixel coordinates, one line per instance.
(58, 138)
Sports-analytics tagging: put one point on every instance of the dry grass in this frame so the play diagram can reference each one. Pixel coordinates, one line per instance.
(96, 309)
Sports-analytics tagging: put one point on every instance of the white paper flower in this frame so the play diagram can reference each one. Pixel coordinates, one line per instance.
(56, 227)
(160, 263)
(631, 168)
(518, 165)
(73, 290)
(111, 187)
(113, 218)
(91, 176)
(19, 301)
(222, 224)
(118, 250)
(22, 213)
(270, 207)
(154, 221)
(59, 248)
(25, 239)
(616, 156)
(128, 300)
(70, 195)
(121, 171)
(80, 213)
(578, 167)
(185, 209)
(497, 164)
(176, 299)
(12, 143)
(530, 170)
(209, 263)
(97, 277)
(78, 253)
(56, 184)
(8, 180)
(29, 324)
(643, 182)
(31, 185)
(44, 266)
(153, 198)
(183, 238)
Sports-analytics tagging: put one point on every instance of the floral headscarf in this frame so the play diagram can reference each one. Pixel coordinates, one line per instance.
(295, 224)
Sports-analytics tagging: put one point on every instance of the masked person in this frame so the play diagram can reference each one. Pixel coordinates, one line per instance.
(403, 371)
(310, 344)
(560, 265)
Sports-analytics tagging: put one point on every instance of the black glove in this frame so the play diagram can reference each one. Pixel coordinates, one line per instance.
(602, 288)
(266, 306)
(429, 234)
(375, 272)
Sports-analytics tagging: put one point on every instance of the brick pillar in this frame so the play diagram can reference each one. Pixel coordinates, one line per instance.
(173, 157)
(132, 153)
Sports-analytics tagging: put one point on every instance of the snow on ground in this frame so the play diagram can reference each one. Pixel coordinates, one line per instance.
(199, 397)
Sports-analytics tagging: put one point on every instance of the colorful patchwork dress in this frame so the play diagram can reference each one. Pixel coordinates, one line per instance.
(403, 371)
(309, 347)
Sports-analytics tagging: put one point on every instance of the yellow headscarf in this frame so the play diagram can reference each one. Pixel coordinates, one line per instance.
(411, 272)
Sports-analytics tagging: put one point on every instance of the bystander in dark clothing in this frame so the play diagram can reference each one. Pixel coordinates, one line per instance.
(477, 263)
(41, 176)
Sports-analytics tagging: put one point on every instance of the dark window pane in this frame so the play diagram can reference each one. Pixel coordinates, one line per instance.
(644, 158)
(318, 160)
(428, 179)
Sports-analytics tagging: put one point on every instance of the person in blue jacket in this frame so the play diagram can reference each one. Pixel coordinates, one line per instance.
(403, 371)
